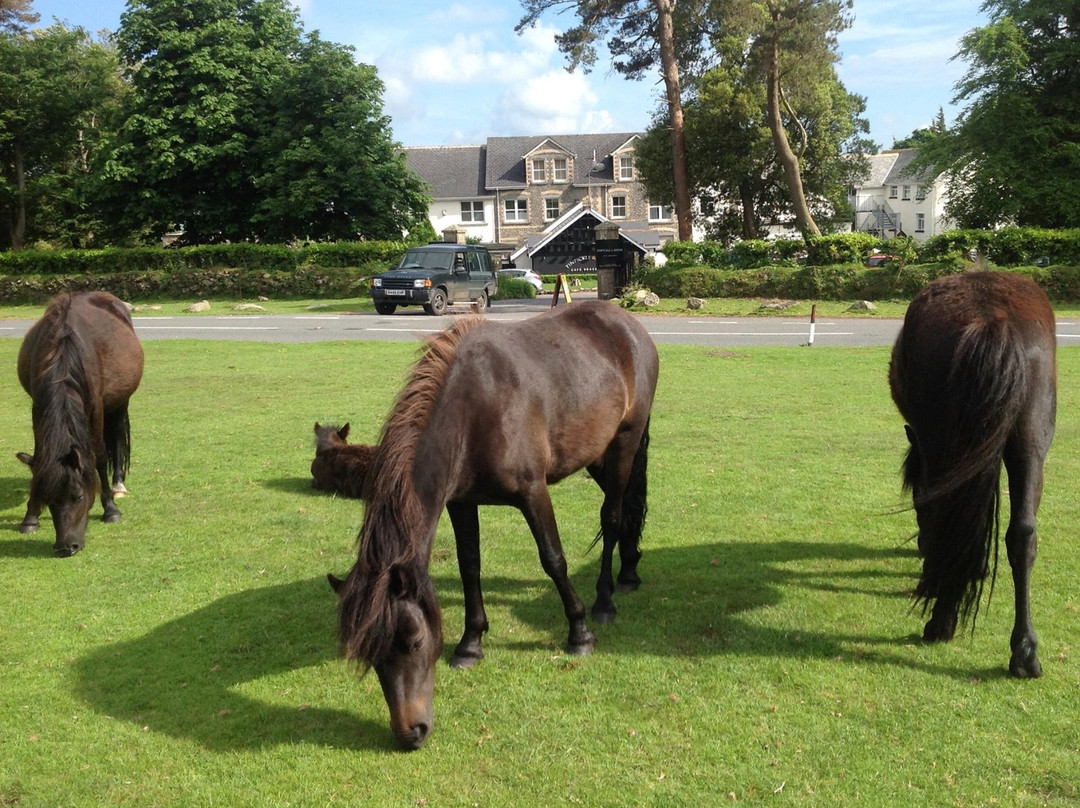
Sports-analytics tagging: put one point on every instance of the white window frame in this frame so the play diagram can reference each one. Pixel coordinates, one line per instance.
(893, 192)
(560, 171)
(472, 212)
(626, 167)
(920, 193)
(660, 213)
(516, 210)
(549, 215)
(920, 222)
(616, 205)
(538, 171)
(907, 192)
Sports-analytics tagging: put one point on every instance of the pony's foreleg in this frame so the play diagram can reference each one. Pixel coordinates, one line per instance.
(541, 518)
(1021, 541)
(466, 522)
(30, 521)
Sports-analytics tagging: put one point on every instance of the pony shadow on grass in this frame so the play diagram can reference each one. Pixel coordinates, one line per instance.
(694, 602)
(185, 678)
(13, 494)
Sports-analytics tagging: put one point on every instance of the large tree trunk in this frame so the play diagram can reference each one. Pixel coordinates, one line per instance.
(784, 153)
(749, 215)
(17, 225)
(670, 69)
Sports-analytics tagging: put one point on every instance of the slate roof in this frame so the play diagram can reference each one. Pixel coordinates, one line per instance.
(506, 166)
(892, 167)
(536, 241)
(901, 169)
(455, 172)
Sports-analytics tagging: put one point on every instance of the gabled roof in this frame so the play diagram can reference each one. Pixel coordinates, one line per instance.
(535, 242)
(506, 166)
(455, 172)
(901, 170)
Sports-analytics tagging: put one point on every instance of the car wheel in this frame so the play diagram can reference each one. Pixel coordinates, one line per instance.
(437, 305)
(385, 308)
(482, 302)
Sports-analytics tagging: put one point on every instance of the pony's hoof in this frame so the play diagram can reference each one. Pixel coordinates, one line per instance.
(28, 527)
(109, 518)
(1025, 669)
(939, 630)
(603, 614)
(465, 661)
(119, 491)
(582, 647)
(629, 585)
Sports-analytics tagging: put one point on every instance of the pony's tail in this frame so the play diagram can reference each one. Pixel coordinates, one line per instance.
(983, 396)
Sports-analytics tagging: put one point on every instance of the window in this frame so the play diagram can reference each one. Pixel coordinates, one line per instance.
(538, 171)
(907, 192)
(920, 192)
(892, 192)
(558, 170)
(920, 222)
(551, 209)
(516, 210)
(618, 207)
(659, 213)
(626, 168)
(472, 211)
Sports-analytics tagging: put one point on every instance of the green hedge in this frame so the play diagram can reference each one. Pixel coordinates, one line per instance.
(265, 257)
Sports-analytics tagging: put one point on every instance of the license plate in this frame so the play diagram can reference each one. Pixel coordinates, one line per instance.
(394, 292)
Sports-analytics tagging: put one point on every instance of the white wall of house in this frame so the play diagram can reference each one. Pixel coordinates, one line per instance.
(446, 213)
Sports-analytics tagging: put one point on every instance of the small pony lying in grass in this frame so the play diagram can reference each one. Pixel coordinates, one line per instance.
(339, 466)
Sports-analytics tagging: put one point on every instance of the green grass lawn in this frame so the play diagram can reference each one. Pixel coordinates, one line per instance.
(187, 657)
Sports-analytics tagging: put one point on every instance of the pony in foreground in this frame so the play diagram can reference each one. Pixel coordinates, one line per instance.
(974, 374)
(340, 466)
(492, 414)
(80, 363)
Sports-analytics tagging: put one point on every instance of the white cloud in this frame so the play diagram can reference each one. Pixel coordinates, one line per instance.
(557, 102)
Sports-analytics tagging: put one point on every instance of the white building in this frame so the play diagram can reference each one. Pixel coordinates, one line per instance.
(893, 200)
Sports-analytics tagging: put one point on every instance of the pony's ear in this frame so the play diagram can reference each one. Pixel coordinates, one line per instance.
(335, 582)
(910, 434)
(316, 427)
(72, 459)
(343, 432)
(28, 459)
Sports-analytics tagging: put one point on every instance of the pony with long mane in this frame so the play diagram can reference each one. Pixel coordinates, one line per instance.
(493, 414)
(79, 363)
(340, 466)
(974, 374)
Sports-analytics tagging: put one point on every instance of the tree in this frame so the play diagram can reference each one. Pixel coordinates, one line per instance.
(57, 90)
(735, 170)
(241, 128)
(1013, 154)
(16, 16)
(925, 136)
(642, 31)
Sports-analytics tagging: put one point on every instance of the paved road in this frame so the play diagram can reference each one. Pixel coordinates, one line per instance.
(412, 324)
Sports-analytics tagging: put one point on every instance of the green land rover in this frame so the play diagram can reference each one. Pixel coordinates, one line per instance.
(435, 276)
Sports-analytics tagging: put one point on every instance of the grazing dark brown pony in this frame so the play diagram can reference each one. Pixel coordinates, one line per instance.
(340, 466)
(492, 414)
(80, 363)
(974, 374)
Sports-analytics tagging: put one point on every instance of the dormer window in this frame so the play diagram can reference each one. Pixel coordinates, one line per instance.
(559, 172)
(626, 168)
(538, 171)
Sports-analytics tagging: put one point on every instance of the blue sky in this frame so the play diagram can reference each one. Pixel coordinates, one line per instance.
(455, 72)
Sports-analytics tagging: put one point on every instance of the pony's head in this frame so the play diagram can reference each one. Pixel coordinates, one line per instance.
(391, 622)
(327, 437)
(66, 485)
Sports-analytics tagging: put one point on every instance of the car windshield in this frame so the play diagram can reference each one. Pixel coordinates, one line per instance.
(427, 259)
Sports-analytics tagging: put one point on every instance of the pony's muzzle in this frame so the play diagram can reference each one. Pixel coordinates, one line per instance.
(66, 550)
(413, 738)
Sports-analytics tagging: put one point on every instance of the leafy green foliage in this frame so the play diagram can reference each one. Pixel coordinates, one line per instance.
(1012, 155)
(59, 93)
(241, 128)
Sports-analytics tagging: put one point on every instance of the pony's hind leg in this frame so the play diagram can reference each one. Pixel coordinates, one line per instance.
(466, 522)
(1025, 488)
(118, 446)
